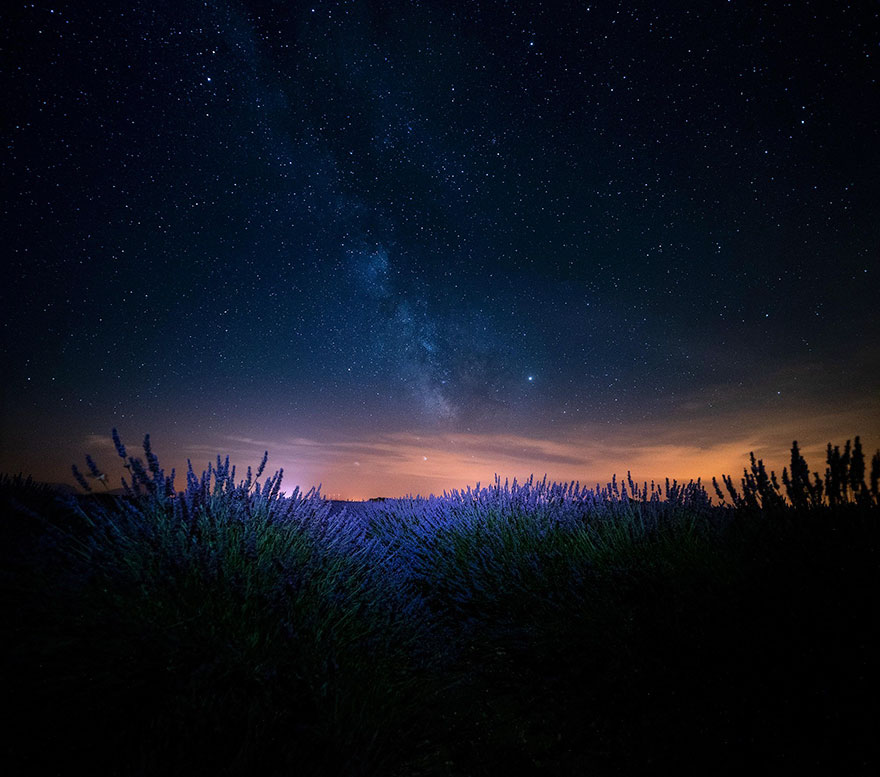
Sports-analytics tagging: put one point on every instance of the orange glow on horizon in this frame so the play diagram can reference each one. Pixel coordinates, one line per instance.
(405, 463)
(402, 463)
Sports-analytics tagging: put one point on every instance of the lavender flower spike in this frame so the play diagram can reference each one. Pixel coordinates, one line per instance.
(120, 448)
(79, 478)
(263, 464)
(93, 468)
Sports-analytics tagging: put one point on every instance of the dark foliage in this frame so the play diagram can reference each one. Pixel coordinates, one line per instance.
(843, 482)
(534, 628)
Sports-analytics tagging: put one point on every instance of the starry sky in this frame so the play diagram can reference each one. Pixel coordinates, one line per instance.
(407, 245)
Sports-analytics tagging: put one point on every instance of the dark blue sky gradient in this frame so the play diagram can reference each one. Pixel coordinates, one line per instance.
(407, 245)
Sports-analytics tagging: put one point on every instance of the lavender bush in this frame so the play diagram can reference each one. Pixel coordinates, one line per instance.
(475, 554)
(233, 585)
(230, 628)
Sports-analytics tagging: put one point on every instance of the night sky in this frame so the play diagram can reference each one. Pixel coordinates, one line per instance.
(407, 245)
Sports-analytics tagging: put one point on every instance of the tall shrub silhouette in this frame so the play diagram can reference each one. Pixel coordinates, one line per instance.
(842, 483)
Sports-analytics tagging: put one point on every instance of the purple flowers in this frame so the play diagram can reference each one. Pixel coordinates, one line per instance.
(80, 479)
(120, 448)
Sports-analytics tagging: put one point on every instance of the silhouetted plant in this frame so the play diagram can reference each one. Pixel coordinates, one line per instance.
(875, 477)
(844, 476)
(801, 492)
(835, 474)
(78, 476)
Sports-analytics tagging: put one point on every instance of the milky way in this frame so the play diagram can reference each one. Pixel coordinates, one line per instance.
(439, 230)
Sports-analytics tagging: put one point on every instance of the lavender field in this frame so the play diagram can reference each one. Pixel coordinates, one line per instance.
(534, 628)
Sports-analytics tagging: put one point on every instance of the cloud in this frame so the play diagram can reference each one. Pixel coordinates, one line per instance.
(102, 443)
(690, 439)
(294, 442)
(686, 443)
(407, 463)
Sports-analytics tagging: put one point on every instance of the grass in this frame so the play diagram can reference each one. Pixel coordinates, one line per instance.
(535, 628)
